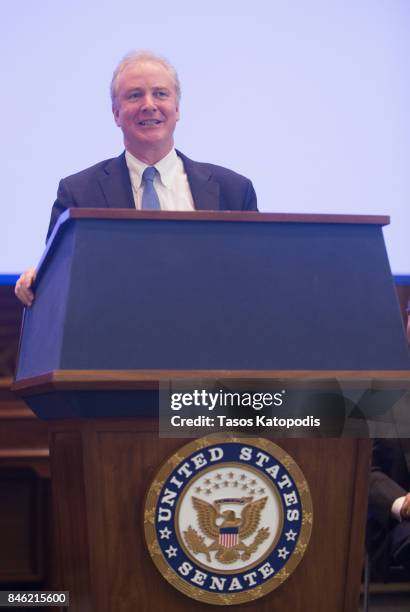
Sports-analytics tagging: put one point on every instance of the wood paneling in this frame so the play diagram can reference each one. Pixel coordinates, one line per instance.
(22, 538)
(10, 318)
(23, 437)
(25, 497)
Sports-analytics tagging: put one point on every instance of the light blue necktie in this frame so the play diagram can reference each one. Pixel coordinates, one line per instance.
(150, 200)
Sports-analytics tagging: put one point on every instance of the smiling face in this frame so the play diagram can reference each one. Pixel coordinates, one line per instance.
(146, 109)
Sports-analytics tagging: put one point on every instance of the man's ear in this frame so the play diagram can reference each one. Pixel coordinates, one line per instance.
(116, 114)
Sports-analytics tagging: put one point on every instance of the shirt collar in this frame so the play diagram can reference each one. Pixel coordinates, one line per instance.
(166, 167)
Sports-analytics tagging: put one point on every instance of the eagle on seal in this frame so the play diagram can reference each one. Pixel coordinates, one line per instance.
(227, 536)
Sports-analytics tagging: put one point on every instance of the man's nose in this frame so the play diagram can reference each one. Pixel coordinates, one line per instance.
(149, 103)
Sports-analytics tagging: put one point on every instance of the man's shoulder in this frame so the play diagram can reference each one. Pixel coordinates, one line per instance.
(103, 167)
(219, 172)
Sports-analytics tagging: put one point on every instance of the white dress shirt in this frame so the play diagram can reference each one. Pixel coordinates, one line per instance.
(171, 182)
(396, 507)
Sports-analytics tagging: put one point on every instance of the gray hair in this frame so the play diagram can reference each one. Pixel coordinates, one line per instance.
(135, 57)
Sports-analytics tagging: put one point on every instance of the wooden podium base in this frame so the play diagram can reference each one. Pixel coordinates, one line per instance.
(101, 470)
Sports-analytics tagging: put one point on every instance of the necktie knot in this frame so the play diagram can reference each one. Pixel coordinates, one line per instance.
(149, 173)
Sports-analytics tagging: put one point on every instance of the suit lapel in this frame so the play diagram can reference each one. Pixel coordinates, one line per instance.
(205, 191)
(116, 184)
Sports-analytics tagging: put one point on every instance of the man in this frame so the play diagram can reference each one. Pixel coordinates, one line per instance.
(388, 523)
(150, 174)
(388, 527)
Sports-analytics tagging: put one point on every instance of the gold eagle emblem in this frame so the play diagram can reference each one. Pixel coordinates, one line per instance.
(227, 530)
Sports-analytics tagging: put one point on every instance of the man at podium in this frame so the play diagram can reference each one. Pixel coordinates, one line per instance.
(150, 174)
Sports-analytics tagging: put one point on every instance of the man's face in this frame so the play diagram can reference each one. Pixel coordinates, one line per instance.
(146, 109)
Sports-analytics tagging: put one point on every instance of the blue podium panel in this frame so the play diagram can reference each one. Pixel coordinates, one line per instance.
(193, 293)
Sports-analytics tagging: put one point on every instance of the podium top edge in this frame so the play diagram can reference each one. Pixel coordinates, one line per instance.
(138, 215)
(65, 380)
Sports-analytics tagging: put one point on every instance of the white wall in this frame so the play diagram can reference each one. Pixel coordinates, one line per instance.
(310, 99)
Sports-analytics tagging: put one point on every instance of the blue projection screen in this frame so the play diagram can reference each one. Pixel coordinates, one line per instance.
(308, 99)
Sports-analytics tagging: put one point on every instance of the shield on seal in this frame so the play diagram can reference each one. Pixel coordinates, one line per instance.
(228, 536)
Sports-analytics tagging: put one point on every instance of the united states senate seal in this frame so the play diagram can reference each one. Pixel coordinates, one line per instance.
(228, 518)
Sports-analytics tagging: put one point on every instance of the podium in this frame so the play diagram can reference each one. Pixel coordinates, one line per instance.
(127, 299)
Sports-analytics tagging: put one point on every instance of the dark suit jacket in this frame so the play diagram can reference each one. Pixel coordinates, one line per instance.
(108, 185)
(389, 479)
